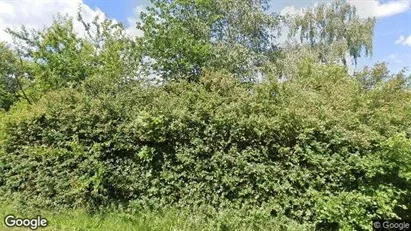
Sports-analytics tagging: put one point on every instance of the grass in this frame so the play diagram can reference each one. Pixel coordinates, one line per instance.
(169, 220)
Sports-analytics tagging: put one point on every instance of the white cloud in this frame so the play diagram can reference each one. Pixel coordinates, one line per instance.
(365, 8)
(400, 39)
(132, 21)
(291, 10)
(392, 56)
(36, 14)
(373, 8)
(404, 40)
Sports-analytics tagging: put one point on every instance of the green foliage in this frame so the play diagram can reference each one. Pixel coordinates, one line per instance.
(60, 57)
(183, 37)
(333, 30)
(134, 218)
(304, 149)
(81, 128)
(8, 84)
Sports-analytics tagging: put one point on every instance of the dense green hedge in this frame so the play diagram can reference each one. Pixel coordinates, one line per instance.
(318, 149)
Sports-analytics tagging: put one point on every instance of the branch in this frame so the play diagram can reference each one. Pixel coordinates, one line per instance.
(18, 81)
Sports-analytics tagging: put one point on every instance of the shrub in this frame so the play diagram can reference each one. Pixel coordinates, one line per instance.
(308, 149)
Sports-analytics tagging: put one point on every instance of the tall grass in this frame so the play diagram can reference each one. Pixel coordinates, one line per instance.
(167, 220)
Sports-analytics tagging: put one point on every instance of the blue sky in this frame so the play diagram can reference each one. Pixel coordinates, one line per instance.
(392, 40)
(118, 9)
(387, 31)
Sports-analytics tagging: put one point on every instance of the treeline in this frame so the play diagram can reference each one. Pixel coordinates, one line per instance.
(207, 109)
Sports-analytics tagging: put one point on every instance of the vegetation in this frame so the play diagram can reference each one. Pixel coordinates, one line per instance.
(164, 220)
(223, 141)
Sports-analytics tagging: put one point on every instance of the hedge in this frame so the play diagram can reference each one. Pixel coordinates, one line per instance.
(317, 149)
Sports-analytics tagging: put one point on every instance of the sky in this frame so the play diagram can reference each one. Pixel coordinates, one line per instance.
(392, 35)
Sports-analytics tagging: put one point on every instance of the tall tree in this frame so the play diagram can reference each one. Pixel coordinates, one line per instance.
(12, 77)
(8, 84)
(333, 31)
(58, 56)
(185, 36)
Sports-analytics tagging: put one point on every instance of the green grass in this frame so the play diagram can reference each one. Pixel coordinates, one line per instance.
(170, 220)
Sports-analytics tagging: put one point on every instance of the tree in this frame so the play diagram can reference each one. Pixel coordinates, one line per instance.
(8, 88)
(58, 57)
(11, 83)
(333, 31)
(183, 37)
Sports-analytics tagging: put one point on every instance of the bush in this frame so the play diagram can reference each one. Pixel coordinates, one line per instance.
(310, 149)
